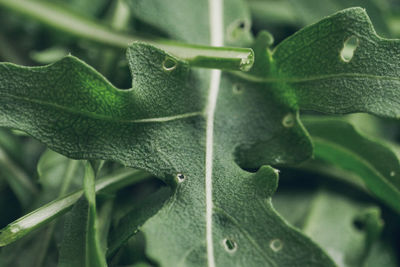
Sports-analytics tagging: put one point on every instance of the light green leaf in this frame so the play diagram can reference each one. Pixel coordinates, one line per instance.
(332, 222)
(339, 143)
(342, 220)
(81, 246)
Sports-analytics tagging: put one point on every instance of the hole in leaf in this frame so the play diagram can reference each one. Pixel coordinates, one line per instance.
(349, 47)
(237, 28)
(169, 64)
(181, 177)
(237, 88)
(359, 224)
(229, 245)
(289, 120)
(276, 245)
(242, 25)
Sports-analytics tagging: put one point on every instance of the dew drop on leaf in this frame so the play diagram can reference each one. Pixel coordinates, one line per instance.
(276, 245)
(392, 173)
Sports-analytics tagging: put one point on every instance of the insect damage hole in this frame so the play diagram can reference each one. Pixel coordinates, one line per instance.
(180, 177)
(229, 245)
(237, 28)
(349, 47)
(359, 224)
(289, 120)
(169, 64)
(276, 245)
(237, 88)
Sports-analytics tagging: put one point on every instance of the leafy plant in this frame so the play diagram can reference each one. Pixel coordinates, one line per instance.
(181, 169)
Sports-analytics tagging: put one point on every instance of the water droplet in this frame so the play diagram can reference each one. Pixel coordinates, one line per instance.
(392, 173)
(277, 171)
(247, 62)
(237, 88)
(181, 177)
(229, 245)
(289, 120)
(15, 229)
(276, 245)
(349, 47)
(169, 64)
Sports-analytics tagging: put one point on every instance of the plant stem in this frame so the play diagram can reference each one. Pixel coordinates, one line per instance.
(47, 235)
(60, 17)
(56, 208)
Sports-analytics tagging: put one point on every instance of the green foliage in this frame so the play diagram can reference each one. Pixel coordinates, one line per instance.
(210, 136)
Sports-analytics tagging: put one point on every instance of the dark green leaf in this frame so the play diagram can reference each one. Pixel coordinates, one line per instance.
(161, 126)
(130, 223)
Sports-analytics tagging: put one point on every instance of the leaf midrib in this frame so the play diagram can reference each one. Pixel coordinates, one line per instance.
(215, 8)
(97, 116)
(315, 78)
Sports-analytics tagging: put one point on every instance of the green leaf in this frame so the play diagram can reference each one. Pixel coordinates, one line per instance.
(172, 127)
(339, 143)
(130, 223)
(58, 207)
(310, 70)
(81, 245)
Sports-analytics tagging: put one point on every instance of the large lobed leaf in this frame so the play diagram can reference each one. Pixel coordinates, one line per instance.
(314, 72)
(192, 128)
